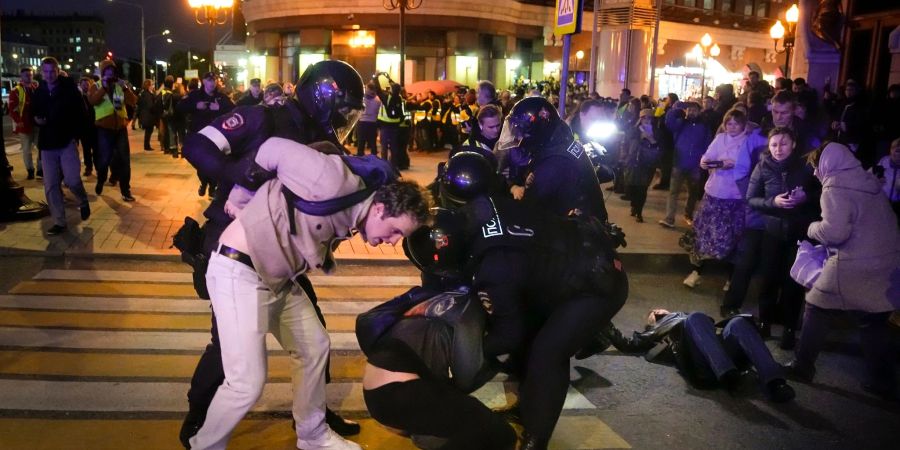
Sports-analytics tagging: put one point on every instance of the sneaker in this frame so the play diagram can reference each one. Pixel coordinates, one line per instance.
(689, 221)
(692, 280)
(666, 223)
(639, 218)
(85, 211)
(40, 174)
(56, 229)
(127, 198)
(329, 441)
(727, 286)
(30, 175)
(779, 391)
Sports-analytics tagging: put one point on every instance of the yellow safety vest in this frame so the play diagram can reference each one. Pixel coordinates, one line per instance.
(382, 113)
(106, 108)
(21, 94)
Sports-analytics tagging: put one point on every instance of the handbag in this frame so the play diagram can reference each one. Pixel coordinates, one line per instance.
(809, 263)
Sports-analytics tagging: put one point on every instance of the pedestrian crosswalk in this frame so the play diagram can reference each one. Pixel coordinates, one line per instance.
(103, 359)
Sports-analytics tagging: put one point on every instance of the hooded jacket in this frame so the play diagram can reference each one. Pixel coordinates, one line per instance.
(771, 178)
(860, 231)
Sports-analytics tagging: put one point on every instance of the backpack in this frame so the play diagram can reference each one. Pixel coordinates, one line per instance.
(374, 171)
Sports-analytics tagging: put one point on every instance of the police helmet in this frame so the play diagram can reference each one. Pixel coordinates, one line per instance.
(467, 175)
(438, 249)
(332, 93)
(533, 120)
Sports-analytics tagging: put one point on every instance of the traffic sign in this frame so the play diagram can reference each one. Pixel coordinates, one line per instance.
(568, 17)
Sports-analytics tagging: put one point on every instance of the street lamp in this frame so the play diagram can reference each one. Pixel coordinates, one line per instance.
(173, 41)
(778, 31)
(705, 50)
(403, 6)
(211, 13)
(143, 41)
(579, 55)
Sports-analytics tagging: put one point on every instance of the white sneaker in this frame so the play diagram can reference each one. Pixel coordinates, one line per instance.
(727, 286)
(329, 441)
(692, 280)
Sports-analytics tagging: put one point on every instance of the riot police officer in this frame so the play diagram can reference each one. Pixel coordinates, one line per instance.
(561, 178)
(547, 283)
(325, 106)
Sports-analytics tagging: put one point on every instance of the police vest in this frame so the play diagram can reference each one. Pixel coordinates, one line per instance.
(106, 108)
(385, 116)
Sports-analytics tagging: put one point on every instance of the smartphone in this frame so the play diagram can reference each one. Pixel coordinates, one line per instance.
(715, 164)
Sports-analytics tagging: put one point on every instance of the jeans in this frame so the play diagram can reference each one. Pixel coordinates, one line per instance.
(695, 190)
(712, 357)
(63, 162)
(29, 140)
(875, 339)
(113, 154)
(366, 136)
(245, 311)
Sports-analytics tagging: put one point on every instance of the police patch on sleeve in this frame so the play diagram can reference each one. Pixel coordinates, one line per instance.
(233, 122)
(575, 149)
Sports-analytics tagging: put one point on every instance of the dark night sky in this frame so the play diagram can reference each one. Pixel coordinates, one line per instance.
(123, 23)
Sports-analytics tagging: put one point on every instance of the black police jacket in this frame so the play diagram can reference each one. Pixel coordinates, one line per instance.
(524, 262)
(225, 150)
(564, 178)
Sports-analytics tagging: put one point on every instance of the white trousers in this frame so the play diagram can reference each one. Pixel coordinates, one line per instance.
(245, 311)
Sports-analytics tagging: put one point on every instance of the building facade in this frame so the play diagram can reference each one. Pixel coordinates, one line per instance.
(18, 52)
(508, 40)
(77, 41)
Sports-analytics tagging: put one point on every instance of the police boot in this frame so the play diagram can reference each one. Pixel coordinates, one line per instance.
(533, 443)
(191, 425)
(340, 425)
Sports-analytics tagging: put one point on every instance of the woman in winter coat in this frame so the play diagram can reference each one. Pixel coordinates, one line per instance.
(641, 158)
(862, 272)
(719, 221)
(784, 190)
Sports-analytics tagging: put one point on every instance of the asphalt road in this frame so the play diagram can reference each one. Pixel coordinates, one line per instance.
(649, 405)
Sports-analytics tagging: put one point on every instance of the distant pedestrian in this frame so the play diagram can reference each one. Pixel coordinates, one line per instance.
(253, 96)
(21, 112)
(367, 127)
(147, 111)
(110, 98)
(201, 107)
(58, 110)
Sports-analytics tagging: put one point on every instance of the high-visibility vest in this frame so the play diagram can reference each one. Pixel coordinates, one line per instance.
(20, 90)
(383, 115)
(106, 108)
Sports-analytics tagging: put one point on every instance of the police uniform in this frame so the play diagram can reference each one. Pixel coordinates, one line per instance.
(390, 114)
(224, 150)
(548, 283)
(564, 178)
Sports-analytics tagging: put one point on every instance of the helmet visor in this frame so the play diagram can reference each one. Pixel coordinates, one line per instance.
(344, 120)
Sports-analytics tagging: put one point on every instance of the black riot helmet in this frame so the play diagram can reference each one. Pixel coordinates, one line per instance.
(533, 120)
(332, 93)
(439, 249)
(467, 175)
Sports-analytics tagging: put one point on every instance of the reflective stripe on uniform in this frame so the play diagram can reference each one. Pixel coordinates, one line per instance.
(217, 138)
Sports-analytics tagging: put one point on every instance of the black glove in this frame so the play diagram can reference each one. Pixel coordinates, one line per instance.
(256, 175)
(616, 234)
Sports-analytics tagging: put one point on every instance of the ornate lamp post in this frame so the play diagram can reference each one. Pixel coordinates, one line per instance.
(706, 49)
(778, 31)
(403, 6)
(211, 13)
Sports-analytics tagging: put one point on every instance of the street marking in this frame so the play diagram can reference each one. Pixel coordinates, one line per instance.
(99, 396)
(187, 278)
(11, 337)
(145, 304)
(132, 321)
(124, 366)
(134, 289)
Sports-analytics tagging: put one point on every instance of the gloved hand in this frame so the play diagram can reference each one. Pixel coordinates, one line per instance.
(617, 234)
(255, 175)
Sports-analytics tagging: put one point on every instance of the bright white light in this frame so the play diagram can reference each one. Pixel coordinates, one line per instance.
(792, 15)
(706, 40)
(162, 63)
(602, 130)
(715, 50)
(513, 64)
(579, 54)
(777, 30)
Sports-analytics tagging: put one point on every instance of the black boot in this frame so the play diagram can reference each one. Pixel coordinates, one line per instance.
(191, 425)
(533, 443)
(340, 425)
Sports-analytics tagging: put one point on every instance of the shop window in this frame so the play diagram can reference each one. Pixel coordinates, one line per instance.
(709, 4)
(727, 6)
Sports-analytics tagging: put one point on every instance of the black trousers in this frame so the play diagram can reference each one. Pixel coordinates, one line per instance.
(781, 298)
(366, 136)
(745, 261)
(638, 197)
(568, 328)
(88, 147)
(426, 407)
(148, 130)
